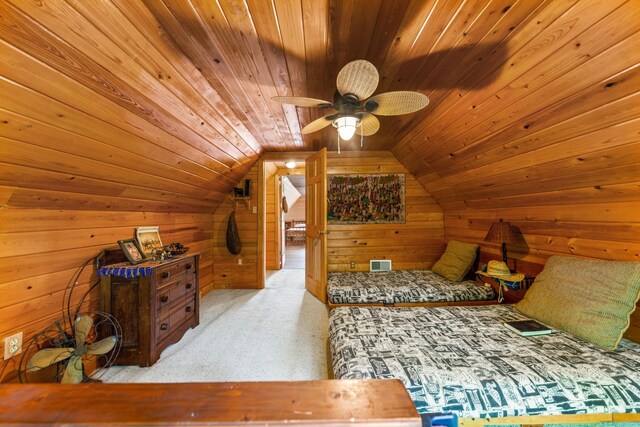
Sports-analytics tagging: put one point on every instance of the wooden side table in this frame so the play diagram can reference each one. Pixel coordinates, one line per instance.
(508, 291)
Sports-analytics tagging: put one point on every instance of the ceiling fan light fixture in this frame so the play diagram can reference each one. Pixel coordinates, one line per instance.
(346, 126)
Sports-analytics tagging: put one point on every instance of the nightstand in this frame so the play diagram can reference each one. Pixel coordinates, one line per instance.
(508, 291)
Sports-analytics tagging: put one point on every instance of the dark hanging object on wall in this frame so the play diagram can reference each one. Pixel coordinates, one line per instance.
(285, 205)
(233, 238)
(247, 187)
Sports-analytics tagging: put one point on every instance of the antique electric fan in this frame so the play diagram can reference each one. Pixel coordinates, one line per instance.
(58, 355)
(355, 111)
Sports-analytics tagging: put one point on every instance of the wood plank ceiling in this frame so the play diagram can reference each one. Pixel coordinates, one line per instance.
(168, 101)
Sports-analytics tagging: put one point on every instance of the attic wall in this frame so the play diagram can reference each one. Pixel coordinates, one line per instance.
(590, 230)
(417, 243)
(42, 249)
(227, 272)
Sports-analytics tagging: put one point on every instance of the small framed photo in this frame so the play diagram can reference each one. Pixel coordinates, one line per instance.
(132, 251)
(149, 239)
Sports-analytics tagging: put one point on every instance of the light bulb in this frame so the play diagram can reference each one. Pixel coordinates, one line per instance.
(290, 165)
(346, 126)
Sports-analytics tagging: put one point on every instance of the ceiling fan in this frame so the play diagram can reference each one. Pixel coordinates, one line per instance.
(355, 110)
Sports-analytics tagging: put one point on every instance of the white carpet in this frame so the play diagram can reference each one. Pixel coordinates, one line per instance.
(275, 334)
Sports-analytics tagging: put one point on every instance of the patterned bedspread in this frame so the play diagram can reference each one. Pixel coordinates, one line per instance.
(462, 359)
(401, 286)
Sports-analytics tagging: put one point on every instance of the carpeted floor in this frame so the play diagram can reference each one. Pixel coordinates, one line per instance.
(275, 334)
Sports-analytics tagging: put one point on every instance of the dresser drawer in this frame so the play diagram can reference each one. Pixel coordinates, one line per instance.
(174, 292)
(174, 319)
(168, 273)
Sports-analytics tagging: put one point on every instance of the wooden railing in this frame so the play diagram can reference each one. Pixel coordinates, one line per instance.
(326, 403)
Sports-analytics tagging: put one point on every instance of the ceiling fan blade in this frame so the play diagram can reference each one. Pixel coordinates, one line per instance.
(316, 125)
(48, 357)
(73, 372)
(369, 125)
(103, 346)
(300, 101)
(359, 78)
(396, 103)
(82, 328)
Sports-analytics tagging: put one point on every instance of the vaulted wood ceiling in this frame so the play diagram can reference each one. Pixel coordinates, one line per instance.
(165, 104)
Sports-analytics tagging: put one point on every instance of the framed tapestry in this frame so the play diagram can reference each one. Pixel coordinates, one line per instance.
(365, 199)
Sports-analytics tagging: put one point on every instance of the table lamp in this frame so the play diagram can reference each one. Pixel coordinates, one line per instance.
(501, 232)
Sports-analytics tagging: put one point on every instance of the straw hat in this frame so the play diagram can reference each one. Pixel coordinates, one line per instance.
(500, 270)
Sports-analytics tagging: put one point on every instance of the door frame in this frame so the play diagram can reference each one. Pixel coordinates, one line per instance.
(296, 156)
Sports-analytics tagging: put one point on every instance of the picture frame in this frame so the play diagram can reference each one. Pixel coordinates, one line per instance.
(132, 251)
(149, 239)
(366, 199)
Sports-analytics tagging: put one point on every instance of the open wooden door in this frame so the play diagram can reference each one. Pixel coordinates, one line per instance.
(316, 225)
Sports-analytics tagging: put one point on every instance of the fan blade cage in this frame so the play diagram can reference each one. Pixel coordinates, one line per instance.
(316, 125)
(397, 103)
(300, 101)
(368, 125)
(359, 78)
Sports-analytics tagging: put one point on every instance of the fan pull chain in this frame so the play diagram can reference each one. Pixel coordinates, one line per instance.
(361, 135)
(338, 143)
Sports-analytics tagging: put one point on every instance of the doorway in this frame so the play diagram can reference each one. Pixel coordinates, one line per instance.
(284, 228)
(293, 222)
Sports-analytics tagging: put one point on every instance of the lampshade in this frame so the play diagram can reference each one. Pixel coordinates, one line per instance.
(346, 126)
(501, 232)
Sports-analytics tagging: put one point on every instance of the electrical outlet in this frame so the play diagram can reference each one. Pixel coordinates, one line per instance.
(353, 264)
(255, 209)
(239, 261)
(12, 345)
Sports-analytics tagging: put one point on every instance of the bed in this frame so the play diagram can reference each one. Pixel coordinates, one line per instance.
(404, 287)
(463, 360)
(295, 231)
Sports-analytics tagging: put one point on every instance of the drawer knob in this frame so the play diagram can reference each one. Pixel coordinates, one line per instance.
(164, 326)
(188, 309)
(188, 266)
(189, 285)
(165, 298)
(166, 275)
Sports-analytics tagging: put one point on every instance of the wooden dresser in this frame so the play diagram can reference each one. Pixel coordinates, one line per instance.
(155, 303)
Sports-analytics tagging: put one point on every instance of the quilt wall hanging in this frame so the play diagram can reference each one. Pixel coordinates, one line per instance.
(365, 199)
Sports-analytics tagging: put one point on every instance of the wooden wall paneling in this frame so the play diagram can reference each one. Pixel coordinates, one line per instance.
(416, 244)
(44, 248)
(591, 93)
(185, 82)
(197, 43)
(215, 27)
(534, 40)
(227, 272)
(315, 16)
(552, 86)
(521, 22)
(280, 24)
(122, 71)
(578, 153)
(65, 103)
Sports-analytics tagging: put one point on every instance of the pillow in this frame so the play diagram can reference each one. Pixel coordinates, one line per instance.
(591, 299)
(456, 261)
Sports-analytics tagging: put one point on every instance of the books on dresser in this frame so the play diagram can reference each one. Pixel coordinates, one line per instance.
(528, 327)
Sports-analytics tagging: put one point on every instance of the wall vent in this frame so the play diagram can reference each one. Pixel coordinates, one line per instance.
(380, 265)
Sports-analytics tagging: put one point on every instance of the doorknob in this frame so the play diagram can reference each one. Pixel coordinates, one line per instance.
(324, 231)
